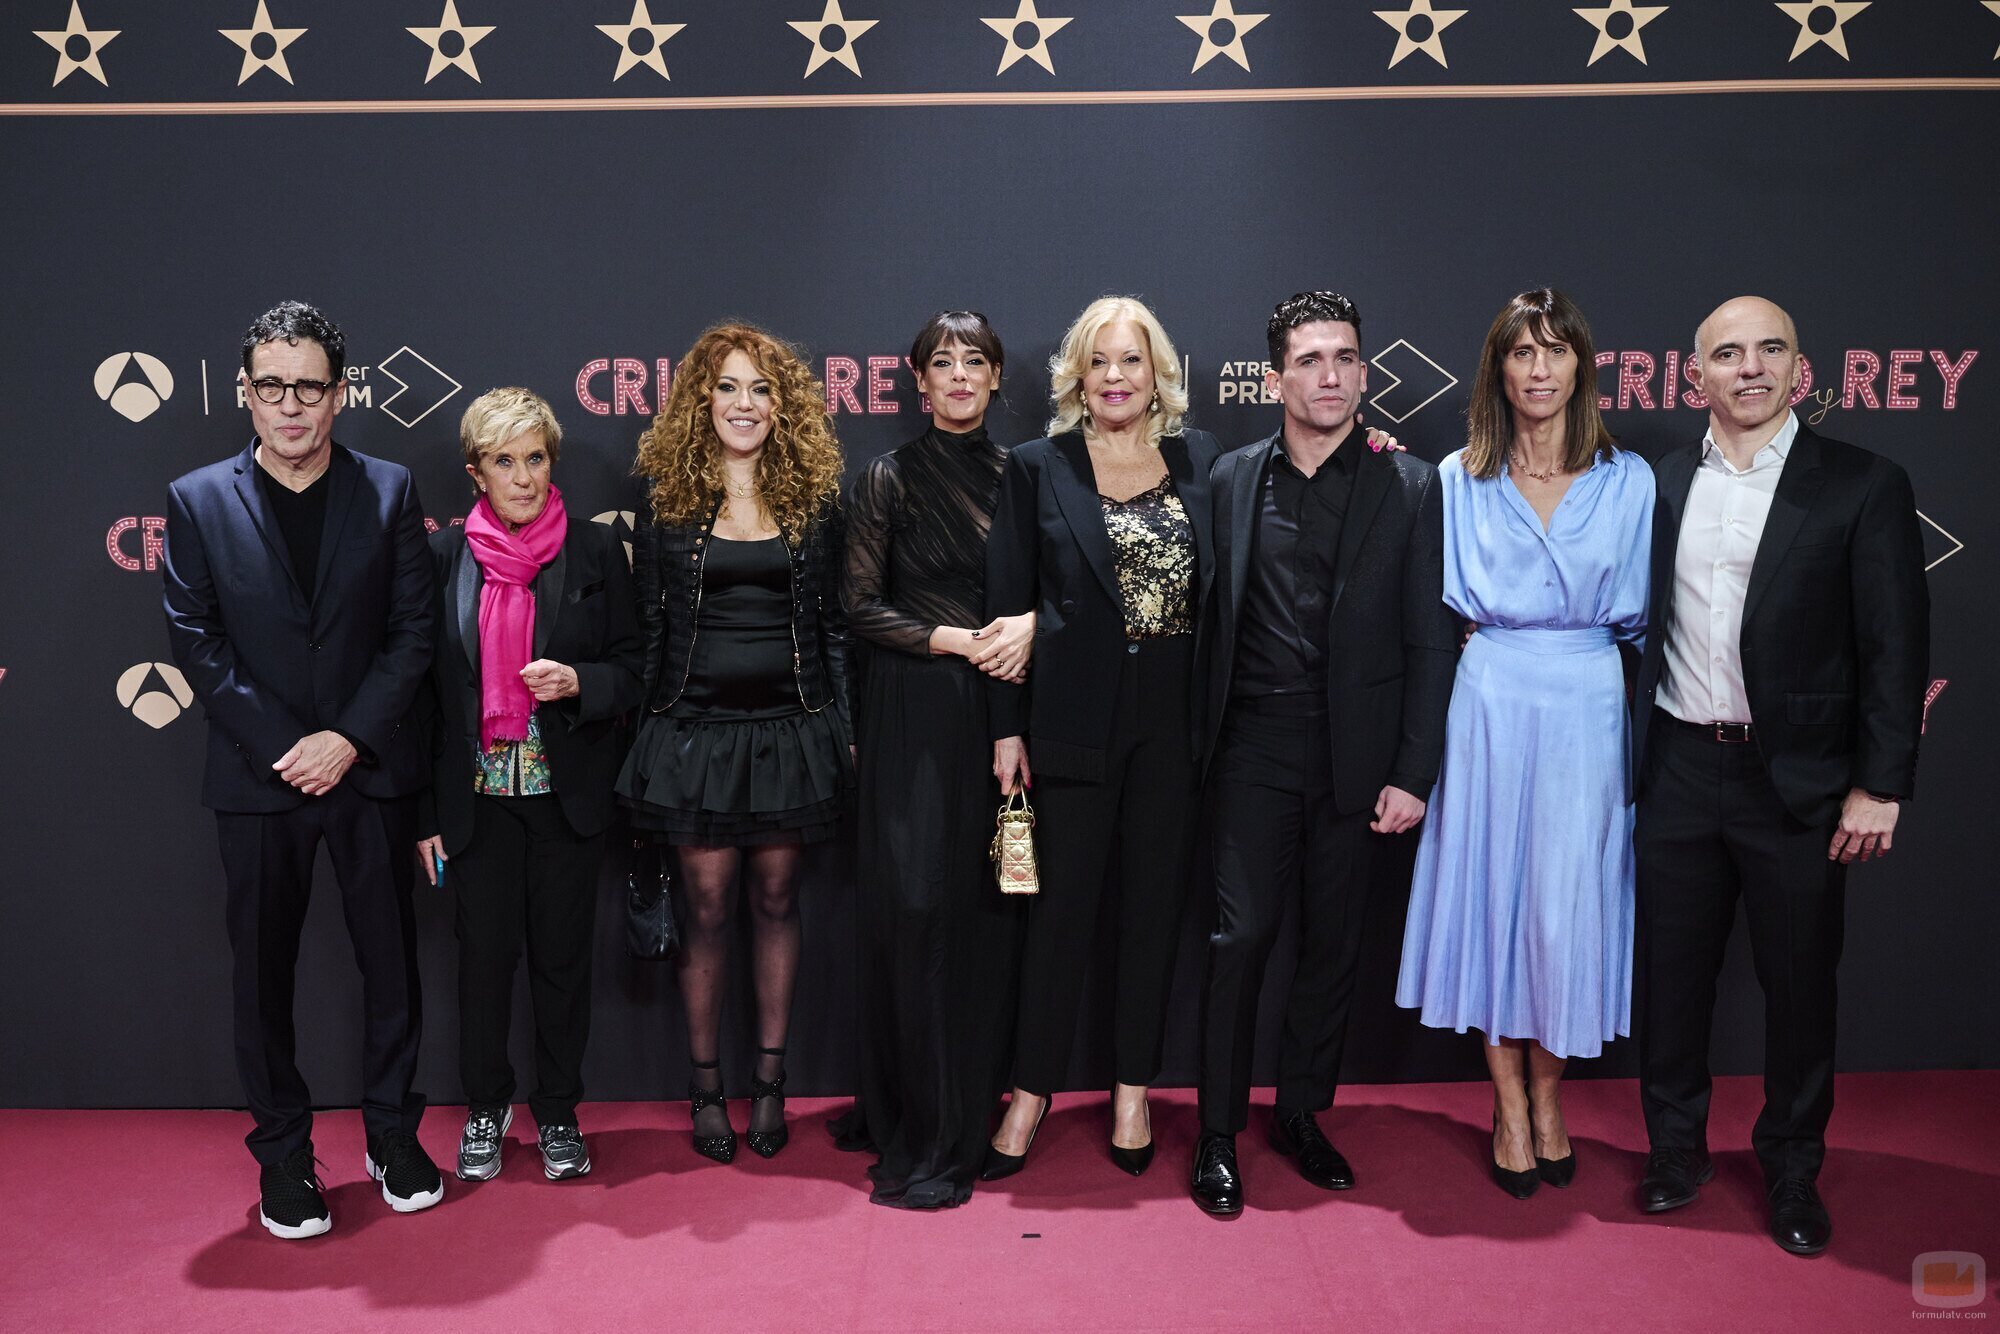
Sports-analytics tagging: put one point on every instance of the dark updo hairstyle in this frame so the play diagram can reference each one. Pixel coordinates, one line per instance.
(957, 326)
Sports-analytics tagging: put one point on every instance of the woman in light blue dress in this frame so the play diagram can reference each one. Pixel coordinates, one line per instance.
(1520, 920)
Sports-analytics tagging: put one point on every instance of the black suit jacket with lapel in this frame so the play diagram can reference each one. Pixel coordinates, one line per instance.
(1049, 552)
(270, 667)
(1393, 644)
(1836, 624)
(585, 618)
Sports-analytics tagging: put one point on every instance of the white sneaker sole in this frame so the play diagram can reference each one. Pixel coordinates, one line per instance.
(312, 1227)
(492, 1169)
(405, 1204)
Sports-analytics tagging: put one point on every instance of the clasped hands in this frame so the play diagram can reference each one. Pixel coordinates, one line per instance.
(316, 763)
(1001, 648)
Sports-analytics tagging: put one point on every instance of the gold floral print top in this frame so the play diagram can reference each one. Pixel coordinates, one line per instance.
(1155, 546)
(514, 768)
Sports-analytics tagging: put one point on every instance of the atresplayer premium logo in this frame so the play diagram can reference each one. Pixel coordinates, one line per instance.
(154, 692)
(134, 399)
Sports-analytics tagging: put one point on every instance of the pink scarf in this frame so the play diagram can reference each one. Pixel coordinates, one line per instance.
(507, 611)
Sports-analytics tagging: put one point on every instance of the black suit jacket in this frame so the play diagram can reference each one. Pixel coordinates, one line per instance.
(1836, 624)
(270, 667)
(584, 618)
(1049, 552)
(1393, 645)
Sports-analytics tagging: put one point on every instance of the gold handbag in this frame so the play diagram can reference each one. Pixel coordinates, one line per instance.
(1013, 848)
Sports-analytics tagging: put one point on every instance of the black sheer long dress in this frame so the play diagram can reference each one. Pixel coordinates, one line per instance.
(939, 942)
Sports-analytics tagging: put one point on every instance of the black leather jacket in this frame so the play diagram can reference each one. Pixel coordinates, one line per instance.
(667, 562)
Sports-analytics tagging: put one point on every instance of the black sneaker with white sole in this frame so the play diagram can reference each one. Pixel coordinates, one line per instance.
(410, 1180)
(563, 1153)
(292, 1206)
(479, 1145)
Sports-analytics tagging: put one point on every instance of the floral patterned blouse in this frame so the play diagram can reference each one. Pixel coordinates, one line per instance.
(1155, 546)
(514, 768)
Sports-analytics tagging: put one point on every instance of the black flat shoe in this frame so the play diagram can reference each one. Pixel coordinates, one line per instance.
(1799, 1220)
(721, 1148)
(766, 1143)
(999, 1166)
(1215, 1184)
(1297, 1135)
(1558, 1172)
(1673, 1178)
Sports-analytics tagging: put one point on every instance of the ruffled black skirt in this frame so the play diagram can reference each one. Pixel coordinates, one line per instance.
(738, 782)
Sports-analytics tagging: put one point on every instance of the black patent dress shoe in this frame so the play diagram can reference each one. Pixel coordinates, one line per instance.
(1215, 1186)
(1673, 1178)
(1799, 1221)
(999, 1166)
(1134, 1161)
(1297, 1135)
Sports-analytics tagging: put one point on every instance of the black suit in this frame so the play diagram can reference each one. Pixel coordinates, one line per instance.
(1834, 645)
(524, 868)
(1109, 730)
(271, 666)
(1293, 781)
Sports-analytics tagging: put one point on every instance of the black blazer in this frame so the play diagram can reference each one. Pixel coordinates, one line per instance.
(1836, 624)
(270, 667)
(1394, 644)
(584, 618)
(1049, 552)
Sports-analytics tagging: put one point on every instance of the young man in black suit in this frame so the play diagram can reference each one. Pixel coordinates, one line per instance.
(1329, 655)
(1776, 720)
(298, 591)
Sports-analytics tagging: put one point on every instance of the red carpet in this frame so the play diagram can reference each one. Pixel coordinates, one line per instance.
(147, 1220)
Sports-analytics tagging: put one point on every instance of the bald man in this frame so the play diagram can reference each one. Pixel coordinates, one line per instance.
(1775, 731)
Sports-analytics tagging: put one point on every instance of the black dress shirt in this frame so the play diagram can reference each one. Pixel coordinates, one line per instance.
(301, 516)
(1281, 649)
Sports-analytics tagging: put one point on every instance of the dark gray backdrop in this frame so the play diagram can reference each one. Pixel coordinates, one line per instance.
(474, 249)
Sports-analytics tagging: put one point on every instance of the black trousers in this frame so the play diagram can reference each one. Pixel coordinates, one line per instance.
(267, 860)
(1278, 839)
(1143, 810)
(1711, 828)
(525, 879)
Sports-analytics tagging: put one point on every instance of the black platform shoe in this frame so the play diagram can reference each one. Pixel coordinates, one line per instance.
(722, 1148)
(1000, 1166)
(766, 1143)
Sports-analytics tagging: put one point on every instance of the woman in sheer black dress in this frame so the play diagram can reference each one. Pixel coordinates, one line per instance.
(938, 939)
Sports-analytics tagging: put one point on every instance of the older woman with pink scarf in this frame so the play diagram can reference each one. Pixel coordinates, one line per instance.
(538, 653)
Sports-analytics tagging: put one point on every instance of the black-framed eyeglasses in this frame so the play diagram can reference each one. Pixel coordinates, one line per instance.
(308, 392)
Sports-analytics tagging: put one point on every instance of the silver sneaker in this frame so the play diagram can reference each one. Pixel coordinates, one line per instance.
(479, 1146)
(563, 1153)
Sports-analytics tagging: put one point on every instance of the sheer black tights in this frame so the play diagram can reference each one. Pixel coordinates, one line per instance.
(708, 886)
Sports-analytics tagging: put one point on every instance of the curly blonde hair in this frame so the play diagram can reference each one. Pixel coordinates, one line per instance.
(799, 470)
(1072, 360)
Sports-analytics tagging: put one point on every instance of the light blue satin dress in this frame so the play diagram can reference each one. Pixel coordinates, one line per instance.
(1520, 918)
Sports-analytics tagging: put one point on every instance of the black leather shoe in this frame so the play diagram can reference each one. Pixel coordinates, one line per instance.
(1297, 1136)
(1673, 1178)
(1134, 1161)
(1215, 1186)
(999, 1166)
(1799, 1221)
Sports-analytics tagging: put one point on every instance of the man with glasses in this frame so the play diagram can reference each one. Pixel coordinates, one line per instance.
(298, 587)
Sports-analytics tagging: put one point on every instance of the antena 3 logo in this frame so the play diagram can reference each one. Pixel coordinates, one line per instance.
(133, 384)
(154, 692)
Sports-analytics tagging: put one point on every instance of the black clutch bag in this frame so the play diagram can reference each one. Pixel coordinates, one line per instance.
(650, 932)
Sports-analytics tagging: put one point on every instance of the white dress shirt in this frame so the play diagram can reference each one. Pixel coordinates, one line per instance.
(1702, 678)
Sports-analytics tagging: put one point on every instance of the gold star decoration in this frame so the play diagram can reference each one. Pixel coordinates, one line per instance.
(1631, 42)
(1037, 50)
(1993, 5)
(1435, 21)
(246, 38)
(850, 31)
(468, 36)
(1801, 12)
(67, 64)
(641, 21)
(1224, 11)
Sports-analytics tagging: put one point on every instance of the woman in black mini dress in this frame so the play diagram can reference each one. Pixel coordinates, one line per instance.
(743, 754)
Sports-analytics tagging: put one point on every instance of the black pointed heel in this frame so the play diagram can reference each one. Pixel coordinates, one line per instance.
(1000, 1166)
(721, 1148)
(1558, 1172)
(766, 1143)
(1135, 1161)
(1518, 1184)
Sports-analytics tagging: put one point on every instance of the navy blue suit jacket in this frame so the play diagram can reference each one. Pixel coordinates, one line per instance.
(268, 666)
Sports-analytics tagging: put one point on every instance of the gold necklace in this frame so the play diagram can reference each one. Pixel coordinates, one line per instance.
(1550, 475)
